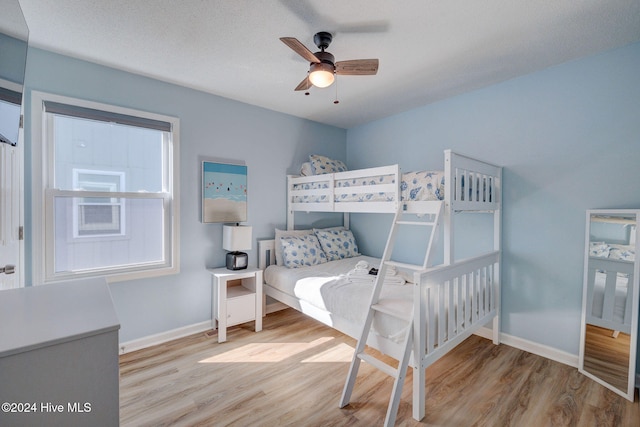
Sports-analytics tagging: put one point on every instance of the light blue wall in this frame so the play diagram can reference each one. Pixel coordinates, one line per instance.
(12, 69)
(569, 140)
(272, 145)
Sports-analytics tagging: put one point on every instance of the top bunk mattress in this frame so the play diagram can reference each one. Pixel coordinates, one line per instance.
(473, 185)
(414, 186)
(612, 251)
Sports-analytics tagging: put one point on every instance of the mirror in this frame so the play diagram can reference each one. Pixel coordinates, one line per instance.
(610, 300)
(13, 58)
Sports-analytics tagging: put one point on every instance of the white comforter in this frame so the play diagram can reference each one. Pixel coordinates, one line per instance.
(327, 287)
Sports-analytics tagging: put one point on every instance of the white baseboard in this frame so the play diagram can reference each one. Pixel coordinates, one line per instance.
(162, 337)
(151, 340)
(519, 343)
(532, 347)
(485, 333)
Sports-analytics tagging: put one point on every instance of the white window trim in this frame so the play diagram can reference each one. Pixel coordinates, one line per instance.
(42, 197)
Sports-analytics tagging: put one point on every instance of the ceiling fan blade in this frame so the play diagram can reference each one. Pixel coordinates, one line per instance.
(299, 48)
(357, 67)
(304, 85)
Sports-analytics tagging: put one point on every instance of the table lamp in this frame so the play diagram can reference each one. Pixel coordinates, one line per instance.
(236, 238)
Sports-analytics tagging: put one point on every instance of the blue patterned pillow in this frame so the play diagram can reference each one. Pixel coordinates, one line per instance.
(337, 243)
(422, 185)
(321, 165)
(302, 251)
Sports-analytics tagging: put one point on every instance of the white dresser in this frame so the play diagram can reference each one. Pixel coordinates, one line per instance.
(59, 355)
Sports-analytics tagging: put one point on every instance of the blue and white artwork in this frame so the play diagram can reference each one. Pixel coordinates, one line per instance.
(224, 192)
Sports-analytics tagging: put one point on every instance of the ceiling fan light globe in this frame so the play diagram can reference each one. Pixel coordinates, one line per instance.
(321, 75)
(321, 78)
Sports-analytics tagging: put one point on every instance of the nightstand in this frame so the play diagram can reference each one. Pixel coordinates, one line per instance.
(236, 297)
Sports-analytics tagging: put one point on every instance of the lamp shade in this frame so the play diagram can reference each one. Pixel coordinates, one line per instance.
(236, 237)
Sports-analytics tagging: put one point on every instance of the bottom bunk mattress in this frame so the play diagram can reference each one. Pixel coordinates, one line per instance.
(332, 287)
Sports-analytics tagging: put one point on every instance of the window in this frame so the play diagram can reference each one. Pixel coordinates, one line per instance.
(109, 195)
(98, 216)
(10, 102)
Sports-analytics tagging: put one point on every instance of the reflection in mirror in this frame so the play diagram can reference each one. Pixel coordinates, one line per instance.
(610, 301)
(13, 57)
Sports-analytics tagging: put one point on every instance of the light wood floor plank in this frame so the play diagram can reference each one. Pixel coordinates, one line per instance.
(292, 374)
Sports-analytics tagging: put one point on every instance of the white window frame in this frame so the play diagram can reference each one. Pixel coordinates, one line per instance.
(43, 196)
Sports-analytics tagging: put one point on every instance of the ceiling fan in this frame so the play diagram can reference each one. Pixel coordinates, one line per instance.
(323, 67)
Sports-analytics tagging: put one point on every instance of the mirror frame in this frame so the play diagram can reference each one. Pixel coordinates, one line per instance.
(634, 289)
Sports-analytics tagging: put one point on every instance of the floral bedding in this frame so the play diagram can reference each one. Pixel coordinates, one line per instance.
(414, 186)
(612, 251)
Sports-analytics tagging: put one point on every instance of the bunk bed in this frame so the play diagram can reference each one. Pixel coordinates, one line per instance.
(448, 302)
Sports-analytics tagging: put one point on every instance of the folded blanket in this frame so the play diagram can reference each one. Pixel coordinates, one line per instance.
(394, 280)
(360, 274)
(364, 280)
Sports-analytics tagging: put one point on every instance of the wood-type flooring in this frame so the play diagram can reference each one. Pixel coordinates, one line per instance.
(292, 374)
(607, 357)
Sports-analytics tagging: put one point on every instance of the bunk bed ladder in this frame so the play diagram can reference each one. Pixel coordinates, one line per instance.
(376, 306)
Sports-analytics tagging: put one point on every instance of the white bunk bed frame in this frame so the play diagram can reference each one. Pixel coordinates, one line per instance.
(451, 301)
(607, 319)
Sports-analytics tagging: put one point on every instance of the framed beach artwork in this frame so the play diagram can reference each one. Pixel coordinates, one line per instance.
(224, 192)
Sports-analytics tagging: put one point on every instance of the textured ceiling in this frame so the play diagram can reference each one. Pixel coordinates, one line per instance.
(428, 49)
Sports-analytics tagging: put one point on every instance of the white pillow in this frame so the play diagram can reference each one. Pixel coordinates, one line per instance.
(323, 164)
(302, 251)
(286, 233)
(306, 169)
(337, 243)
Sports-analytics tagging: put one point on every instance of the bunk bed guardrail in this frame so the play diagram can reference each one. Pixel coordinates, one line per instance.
(452, 299)
(476, 184)
(451, 302)
(604, 315)
(470, 185)
(364, 190)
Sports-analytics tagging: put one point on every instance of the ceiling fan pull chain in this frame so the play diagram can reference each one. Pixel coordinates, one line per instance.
(336, 101)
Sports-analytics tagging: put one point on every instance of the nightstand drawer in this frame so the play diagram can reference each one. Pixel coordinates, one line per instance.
(241, 309)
